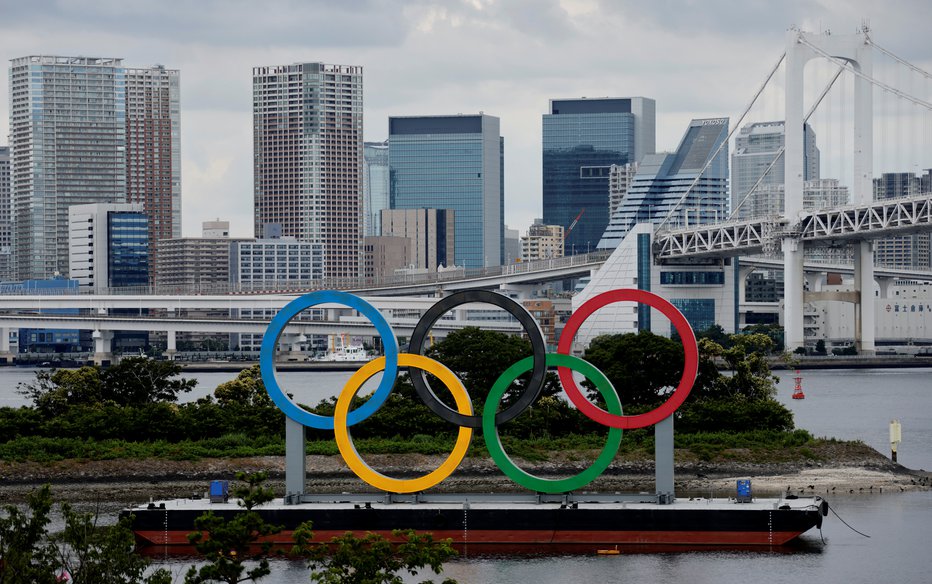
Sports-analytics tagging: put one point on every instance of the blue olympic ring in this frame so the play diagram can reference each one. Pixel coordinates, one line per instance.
(270, 343)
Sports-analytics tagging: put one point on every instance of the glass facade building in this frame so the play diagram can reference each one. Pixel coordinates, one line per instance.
(663, 179)
(374, 186)
(457, 163)
(68, 140)
(756, 147)
(582, 140)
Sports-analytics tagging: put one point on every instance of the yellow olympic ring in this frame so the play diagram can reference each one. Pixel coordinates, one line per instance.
(348, 449)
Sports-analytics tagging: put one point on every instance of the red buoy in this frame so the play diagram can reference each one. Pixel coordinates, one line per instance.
(798, 390)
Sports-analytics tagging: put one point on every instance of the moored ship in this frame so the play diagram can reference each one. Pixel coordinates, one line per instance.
(597, 520)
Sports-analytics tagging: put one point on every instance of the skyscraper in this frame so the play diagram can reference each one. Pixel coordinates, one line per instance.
(88, 130)
(663, 179)
(756, 146)
(153, 150)
(308, 153)
(68, 141)
(375, 185)
(453, 162)
(582, 139)
(6, 227)
(904, 251)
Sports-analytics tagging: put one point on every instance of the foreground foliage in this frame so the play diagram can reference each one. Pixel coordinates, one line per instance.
(238, 549)
(87, 553)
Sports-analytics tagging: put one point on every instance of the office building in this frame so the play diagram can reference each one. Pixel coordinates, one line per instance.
(68, 142)
(582, 139)
(6, 226)
(275, 263)
(109, 246)
(758, 153)
(542, 242)
(432, 235)
(308, 151)
(384, 256)
(153, 149)
(218, 229)
(663, 179)
(905, 251)
(109, 249)
(619, 179)
(456, 163)
(512, 245)
(374, 185)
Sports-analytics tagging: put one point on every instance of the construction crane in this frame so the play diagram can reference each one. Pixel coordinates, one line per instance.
(573, 224)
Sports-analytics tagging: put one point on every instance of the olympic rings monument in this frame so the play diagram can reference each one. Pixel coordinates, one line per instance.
(489, 420)
(554, 511)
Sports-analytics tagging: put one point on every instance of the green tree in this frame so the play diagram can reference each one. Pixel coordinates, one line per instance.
(90, 554)
(247, 389)
(640, 366)
(24, 559)
(372, 559)
(54, 391)
(101, 555)
(479, 357)
(135, 381)
(716, 334)
(227, 549)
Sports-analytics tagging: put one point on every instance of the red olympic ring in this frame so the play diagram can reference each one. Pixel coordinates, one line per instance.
(690, 366)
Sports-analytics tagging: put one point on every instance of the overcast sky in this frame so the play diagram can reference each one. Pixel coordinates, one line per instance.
(696, 58)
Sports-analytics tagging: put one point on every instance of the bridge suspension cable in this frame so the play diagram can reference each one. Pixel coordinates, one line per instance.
(724, 143)
(868, 78)
(783, 148)
(900, 60)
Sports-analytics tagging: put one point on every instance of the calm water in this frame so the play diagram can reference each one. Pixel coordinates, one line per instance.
(848, 404)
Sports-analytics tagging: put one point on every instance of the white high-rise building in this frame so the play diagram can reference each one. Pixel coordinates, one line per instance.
(6, 227)
(756, 147)
(68, 142)
(88, 130)
(308, 157)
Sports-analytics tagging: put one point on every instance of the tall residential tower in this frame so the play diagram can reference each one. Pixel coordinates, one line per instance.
(68, 142)
(582, 140)
(308, 156)
(83, 131)
(153, 151)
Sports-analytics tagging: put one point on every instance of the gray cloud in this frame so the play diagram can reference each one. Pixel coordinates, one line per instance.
(505, 57)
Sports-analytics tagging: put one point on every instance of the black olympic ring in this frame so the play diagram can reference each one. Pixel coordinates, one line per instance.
(539, 348)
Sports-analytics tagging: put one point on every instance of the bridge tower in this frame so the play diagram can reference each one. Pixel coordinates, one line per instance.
(801, 47)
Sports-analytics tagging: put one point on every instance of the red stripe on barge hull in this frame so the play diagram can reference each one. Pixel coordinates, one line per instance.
(536, 537)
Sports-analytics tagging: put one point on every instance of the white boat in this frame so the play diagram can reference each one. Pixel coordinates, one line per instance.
(343, 354)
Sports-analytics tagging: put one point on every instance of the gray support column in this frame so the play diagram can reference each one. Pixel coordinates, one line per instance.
(6, 357)
(295, 461)
(171, 347)
(663, 460)
(102, 347)
(864, 281)
(793, 293)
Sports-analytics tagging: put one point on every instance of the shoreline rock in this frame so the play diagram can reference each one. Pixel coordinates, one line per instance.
(848, 468)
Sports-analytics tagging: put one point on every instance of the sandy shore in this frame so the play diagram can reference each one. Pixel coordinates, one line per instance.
(850, 468)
